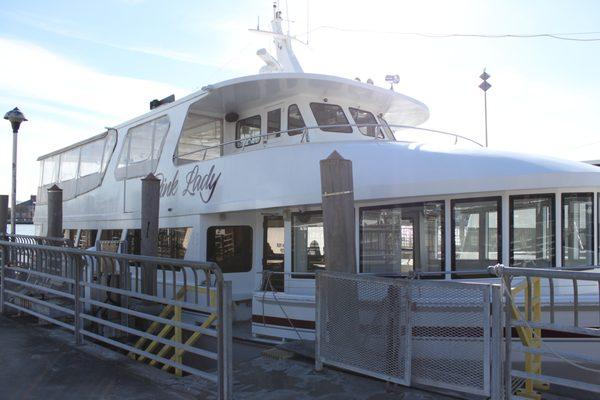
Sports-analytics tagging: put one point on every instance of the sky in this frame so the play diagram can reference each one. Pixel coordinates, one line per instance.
(76, 67)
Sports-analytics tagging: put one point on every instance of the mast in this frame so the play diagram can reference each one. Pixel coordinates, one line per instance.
(286, 60)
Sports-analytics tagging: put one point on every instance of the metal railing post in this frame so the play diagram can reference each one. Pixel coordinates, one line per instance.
(77, 304)
(318, 317)
(3, 260)
(496, 356)
(225, 366)
(506, 286)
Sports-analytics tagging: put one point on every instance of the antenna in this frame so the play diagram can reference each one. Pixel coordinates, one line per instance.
(307, 21)
(258, 23)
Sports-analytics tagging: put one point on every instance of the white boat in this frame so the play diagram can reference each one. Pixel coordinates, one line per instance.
(240, 185)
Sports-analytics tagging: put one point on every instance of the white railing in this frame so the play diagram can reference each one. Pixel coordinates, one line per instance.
(304, 137)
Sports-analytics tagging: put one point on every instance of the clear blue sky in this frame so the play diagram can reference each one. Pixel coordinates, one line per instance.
(75, 67)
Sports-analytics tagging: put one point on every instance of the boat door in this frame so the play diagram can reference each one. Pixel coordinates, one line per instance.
(274, 115)
(410, 238)
(273, 253)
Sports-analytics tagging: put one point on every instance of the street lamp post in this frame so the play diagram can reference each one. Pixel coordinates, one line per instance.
(15, 117)
(485, 86)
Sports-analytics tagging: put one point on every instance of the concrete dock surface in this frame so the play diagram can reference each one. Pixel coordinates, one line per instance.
(41, 362)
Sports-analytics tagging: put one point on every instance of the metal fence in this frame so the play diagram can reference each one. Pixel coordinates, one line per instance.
(437, 333)
(551, 301)
(97, 295)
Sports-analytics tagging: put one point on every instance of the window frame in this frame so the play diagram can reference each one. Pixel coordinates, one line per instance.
(250, 250)
(453, 202)
(295, 131)
(300, 274)
(340, 129)
(177, 161)
(126, 147)
(379, 132)
(238, 138)
(577, 195)
(411, 204)
(511, 219)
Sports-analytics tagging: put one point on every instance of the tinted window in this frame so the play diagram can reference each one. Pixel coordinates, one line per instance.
(577, 229)
(230, 247)
(403, 238)
(295, 120)
(532, 230)
(363, 118)
(173, 242)
(330, 114)
(200, 138)
(249, 130)
(274, 121)
(476, 233)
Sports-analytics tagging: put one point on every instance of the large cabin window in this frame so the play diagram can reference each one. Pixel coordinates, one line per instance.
(295, 121)
(80, 168)
(173, 242)
(330, 114)
(247, 131)
(476, 233)
(200, 139)
(308, 242)
(230, 247)
(142, 148)
(402, 238)
(577, 229)
(366, 122)
(532, 230)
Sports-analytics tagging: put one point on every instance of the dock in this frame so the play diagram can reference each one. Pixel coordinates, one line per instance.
(41, 362)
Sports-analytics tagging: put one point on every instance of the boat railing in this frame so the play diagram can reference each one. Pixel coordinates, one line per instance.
(305, 134)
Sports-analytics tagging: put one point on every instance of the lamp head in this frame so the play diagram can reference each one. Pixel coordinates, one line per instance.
(15, 116)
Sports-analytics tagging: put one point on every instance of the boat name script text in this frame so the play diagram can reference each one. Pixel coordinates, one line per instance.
(196, 183)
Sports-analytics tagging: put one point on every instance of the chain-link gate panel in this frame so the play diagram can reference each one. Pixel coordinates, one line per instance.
(435, 333)
(451, 335)
(363, 325)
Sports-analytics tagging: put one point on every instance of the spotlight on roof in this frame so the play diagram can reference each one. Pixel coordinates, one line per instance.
(393, 80)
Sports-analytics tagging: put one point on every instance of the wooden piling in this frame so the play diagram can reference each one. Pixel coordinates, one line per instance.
(337, 190)
(149, 237)
(55, 212)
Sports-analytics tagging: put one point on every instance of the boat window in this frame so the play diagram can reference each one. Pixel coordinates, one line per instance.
(111, 234)
(134, 239)
(308, 251)
(173, 242)
(386, 128)
(87, 238)
(295, 121)
(200, 139)
(247, 129)
(109, 147)
(532, 230)
(230, 247)
(363, 118)
(50, 170)
(274, 121)
(476, 233)
(577, 229)
(91, 158)
(402, 238)
(273, 253)
(68, 165)
(141, 149)
(330, 114)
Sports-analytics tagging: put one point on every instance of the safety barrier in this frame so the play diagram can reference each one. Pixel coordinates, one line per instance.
(97, 295)
(559, 301)
(437, 333)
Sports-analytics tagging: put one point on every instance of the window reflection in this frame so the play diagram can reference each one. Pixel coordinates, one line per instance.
(532, 230)
(403, 238)
(476, 233)
(577, 229)
(308, 250)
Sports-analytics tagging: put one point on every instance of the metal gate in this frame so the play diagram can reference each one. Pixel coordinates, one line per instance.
(431, 332)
